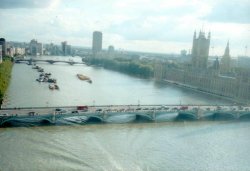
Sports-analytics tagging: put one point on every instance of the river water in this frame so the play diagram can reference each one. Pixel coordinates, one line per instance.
(210, 145)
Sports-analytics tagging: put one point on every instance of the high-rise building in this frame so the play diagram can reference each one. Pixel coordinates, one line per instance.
(33, 47)
(64, 44)
(66, 49)
(200, 50)
(3, 43)
(97, 42)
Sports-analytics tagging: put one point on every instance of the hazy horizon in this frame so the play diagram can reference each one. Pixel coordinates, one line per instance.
(160, 26)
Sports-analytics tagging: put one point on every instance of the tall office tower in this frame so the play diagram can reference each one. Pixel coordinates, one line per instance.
(200, 50)
(33, 47)
(3, 43)
(97, 42)
(64, 48)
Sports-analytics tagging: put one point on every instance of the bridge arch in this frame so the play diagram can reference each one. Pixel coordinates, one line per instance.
(11, 120)
(46, 121)
(223, 116)
(244, 116)
(92, 119)
(120, 118)
(166, 116)
(143, 116)
(8, 121)
(186, 116)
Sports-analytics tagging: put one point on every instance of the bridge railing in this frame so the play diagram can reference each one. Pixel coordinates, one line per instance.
(169, 106)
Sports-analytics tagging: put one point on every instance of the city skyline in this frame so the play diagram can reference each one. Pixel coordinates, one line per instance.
(162, 26)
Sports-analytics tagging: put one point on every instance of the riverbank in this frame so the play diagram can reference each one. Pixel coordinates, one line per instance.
(5, 75)
(197, 89)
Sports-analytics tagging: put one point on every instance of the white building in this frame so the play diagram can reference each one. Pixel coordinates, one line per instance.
(19, 51)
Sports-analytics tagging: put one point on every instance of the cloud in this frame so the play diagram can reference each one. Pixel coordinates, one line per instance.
(10, 4)
(143, 25)
(230, 12)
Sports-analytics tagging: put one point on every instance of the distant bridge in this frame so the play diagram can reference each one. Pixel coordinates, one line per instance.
(31, 61)
(120, 114)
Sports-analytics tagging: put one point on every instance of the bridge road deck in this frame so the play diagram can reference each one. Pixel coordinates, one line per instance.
(30, 61)
(117, 108)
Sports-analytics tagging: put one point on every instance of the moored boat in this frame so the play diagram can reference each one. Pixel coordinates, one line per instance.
(56, 87)
(51, 87)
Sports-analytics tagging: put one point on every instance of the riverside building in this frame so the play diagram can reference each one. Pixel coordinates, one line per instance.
(200, 50)
(217, 79)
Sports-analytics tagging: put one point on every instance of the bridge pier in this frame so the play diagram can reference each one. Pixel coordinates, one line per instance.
(30, 61)
(153, 116)
(199, 113)
(104, 116)
(54, 117)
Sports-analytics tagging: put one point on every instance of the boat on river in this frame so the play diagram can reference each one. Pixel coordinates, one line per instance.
(53, 87)
(84, 78)
(56, 87)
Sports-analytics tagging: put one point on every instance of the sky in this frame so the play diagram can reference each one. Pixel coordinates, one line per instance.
(164, 26)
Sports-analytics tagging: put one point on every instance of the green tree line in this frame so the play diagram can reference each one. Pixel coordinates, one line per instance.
(5, 74)
(126, 66)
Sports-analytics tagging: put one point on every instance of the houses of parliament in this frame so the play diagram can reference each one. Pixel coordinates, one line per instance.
(220, 79)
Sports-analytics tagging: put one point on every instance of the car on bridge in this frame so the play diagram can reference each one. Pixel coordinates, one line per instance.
(60, 111)
(165, 108)
(32, 113)
(184, 108)
(175, 108)
(3, 114)
(98, 110)
(82, 107)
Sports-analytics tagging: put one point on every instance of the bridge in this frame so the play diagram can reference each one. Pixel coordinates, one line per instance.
(31, 61)
(120, 114)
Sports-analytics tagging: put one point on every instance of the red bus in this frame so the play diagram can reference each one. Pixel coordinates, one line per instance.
(82, 107)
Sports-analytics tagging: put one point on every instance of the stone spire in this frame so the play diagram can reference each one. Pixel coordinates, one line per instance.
(227, 50)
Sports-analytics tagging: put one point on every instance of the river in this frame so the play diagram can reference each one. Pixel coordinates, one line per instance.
(205, 145)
